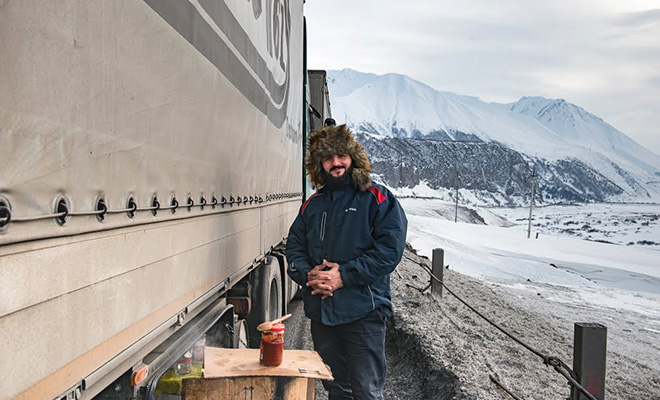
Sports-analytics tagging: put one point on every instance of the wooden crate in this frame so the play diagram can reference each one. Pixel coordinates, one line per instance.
(235, 374)
(249, 387)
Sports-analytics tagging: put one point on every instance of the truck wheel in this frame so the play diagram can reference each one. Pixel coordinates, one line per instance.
(297, 292)
(266, 296)
(241, 334)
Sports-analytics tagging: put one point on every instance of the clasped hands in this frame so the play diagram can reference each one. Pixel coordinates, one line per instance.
(325, 279)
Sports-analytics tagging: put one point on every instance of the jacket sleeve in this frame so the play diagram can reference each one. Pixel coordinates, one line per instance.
(389, 233)
(296, 251)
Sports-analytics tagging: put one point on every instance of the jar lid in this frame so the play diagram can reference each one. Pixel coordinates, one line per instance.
(277, 327)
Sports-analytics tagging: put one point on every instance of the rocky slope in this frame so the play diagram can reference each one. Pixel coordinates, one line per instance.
(492, 173)
(419, 136)
(439, 349)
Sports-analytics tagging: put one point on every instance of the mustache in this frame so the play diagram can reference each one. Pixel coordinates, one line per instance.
(337, 167)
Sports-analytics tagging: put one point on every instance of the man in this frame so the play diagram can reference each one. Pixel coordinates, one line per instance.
(342, 247)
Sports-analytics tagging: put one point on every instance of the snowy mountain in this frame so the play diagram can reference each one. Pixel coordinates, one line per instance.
(581, 128)
(419, 137)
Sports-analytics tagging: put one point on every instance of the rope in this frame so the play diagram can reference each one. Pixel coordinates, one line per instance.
(552, 361)
(507, 391)
(7, 217)
(39, 217)
(87, 213)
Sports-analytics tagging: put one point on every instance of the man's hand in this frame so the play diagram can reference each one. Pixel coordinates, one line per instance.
(323, 281)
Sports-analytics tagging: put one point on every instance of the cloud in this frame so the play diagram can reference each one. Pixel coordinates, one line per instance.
(641, 19)
(592, 52)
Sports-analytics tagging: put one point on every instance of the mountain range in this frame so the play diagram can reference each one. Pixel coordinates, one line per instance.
(424, 142)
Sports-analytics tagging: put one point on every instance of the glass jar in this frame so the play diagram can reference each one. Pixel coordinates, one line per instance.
(272, 346)
(184, 364)
(198, 351)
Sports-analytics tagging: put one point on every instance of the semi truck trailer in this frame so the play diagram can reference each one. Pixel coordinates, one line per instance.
(151, 163)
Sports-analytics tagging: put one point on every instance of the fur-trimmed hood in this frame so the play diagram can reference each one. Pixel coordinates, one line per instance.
(332, 140)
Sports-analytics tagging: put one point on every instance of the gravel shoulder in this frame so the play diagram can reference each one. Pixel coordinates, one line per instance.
(439, 349)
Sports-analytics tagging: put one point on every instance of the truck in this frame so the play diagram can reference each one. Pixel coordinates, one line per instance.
(151, 163)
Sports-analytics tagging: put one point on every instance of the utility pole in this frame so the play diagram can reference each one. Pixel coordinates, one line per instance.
(400, 170)
(456, 182)
(531, 204)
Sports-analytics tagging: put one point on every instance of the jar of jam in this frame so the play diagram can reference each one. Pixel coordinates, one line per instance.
(272, 346)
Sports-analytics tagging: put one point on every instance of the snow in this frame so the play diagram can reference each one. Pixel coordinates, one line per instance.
(394, 100)
(577, 126)
(439, 349)
(551, 129)
(559, 273)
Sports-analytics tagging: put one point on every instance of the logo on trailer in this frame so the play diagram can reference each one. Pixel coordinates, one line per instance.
(248, 41)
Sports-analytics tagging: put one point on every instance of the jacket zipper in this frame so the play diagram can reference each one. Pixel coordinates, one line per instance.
(323, 218)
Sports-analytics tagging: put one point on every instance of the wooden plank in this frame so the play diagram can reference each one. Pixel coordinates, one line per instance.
(220, 363)
(247, 387)
(311, 386)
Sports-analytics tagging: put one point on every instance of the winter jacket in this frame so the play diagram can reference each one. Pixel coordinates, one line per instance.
(364, 231)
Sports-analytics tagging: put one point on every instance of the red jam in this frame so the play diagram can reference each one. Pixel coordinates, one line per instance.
(272, 346)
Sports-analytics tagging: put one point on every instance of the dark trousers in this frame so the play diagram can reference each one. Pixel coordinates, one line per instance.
(355, 353)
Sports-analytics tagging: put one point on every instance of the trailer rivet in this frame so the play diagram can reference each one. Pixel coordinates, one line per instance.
(5, 213)
(132, 206)
(100, 206)
(61, 207)
(155, 205)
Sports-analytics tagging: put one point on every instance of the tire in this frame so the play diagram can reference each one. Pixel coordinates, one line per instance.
(298, 292)
(266, 297)
(241, 337)
(291, 290)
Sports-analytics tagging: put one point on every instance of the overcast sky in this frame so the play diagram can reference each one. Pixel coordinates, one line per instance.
(602, 55)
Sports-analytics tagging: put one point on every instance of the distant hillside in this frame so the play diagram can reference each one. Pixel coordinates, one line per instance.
(418, 136)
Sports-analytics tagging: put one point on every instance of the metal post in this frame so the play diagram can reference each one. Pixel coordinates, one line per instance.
(456, 181)
(589, 354)
(438, 263)
(531, 205)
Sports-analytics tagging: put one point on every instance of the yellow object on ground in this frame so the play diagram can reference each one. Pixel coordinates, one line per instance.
(171, 383)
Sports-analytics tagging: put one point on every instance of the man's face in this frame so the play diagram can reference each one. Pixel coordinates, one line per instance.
(337, 165)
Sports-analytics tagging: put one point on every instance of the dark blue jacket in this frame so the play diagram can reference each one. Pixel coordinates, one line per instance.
(365, 233)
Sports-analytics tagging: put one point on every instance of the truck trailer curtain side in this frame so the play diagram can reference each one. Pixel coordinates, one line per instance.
(151, 154)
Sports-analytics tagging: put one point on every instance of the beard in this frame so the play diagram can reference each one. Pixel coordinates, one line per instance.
(333, 182)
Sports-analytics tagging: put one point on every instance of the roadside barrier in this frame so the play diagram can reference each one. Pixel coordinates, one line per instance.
(578, 392)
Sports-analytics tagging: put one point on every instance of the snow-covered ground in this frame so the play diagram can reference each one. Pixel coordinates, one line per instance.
(567, 272)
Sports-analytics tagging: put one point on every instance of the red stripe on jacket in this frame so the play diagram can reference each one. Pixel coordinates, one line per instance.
(380, 197)
(302, 209)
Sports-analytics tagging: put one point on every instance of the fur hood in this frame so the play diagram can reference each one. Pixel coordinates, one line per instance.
(332, 140)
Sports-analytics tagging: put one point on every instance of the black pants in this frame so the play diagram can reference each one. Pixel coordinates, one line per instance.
(355, 353)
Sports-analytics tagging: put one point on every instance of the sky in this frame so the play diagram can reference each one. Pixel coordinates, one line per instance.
(602, 55)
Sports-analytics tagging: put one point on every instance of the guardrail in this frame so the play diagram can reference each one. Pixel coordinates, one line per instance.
(587, 377)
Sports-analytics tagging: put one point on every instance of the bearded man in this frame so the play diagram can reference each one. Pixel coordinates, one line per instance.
(346, 240)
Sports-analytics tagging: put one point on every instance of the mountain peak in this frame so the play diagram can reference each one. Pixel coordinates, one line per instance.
(397, 106)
